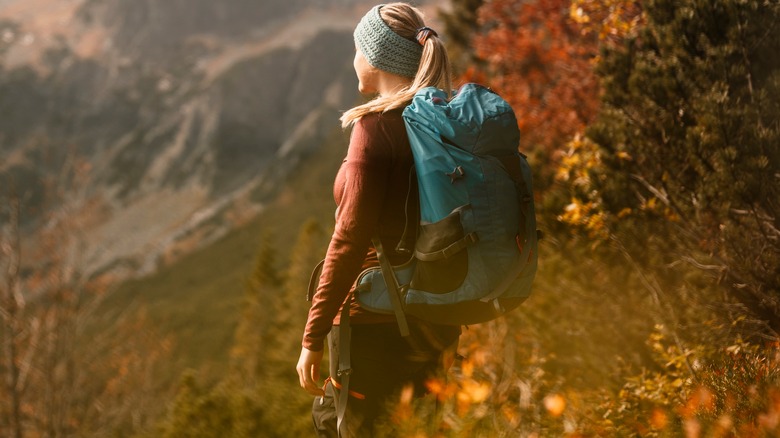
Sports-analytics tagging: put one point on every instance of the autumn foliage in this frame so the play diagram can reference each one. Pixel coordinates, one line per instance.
(541, 61)
(653, 130)
(655, 127)
(69, 366)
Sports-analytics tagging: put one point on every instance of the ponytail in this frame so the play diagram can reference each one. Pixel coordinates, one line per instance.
(434, 69)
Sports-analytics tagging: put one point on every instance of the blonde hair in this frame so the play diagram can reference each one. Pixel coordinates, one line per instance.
(434, 69)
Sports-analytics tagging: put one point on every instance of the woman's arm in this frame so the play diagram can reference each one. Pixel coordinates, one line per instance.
(364, 177)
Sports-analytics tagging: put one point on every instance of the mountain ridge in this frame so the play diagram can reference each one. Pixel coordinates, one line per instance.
(179, 147)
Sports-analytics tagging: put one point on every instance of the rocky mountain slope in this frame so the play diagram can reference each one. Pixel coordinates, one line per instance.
(183, 116)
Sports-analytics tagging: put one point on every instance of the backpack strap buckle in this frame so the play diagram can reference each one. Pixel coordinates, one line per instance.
(456, 174)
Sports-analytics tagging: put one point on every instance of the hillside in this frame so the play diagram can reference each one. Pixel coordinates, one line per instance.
(198, 299)
(174, 121)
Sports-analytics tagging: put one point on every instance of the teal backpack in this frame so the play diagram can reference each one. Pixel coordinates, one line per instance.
(475, 255)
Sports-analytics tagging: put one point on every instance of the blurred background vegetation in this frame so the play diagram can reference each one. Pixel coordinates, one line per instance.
(654, 130)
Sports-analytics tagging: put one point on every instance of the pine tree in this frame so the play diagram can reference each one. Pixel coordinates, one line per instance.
(690, 143)
(235, 405)
(282, 341)
(256, 314)
(460, 24)
(260, 395)
(228, 409)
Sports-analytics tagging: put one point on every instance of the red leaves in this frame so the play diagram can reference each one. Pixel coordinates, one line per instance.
(540, 60)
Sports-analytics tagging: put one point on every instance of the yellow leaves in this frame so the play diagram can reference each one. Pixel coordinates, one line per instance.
(472, 391)
(578, 161)
(651, 204)
(467, 368)
(609, 19)
(665, 400)
(660, 208)
(578, 14)
(573, 212)
(576, 165)
(587, 215)
(676, 403)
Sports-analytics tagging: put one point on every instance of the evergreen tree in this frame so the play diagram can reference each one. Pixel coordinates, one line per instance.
(234, 406)
(229, 409)
(284, 398)
(690, 145)
(460, 23)
(261, 288)
(260, 396)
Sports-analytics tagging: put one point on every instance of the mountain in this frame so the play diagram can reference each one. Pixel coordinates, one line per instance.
(173, 121)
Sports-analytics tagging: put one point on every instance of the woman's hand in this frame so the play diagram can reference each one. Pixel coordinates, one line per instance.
(309, 371)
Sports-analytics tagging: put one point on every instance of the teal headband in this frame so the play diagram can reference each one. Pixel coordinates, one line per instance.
(385, 49)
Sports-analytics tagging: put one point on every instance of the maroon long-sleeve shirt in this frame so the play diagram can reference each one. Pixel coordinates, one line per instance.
(370, 190)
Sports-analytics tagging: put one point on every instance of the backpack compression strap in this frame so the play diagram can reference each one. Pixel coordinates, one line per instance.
(528, 211)
(393, 289)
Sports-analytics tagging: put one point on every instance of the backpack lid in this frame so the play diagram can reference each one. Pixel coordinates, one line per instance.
(476, 120)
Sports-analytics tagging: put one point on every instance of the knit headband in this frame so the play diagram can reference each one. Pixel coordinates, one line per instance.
(385, 49)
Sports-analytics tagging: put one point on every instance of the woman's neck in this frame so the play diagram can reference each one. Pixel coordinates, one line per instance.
(390, 84)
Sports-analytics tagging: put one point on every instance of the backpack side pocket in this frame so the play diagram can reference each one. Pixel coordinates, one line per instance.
(442, 259)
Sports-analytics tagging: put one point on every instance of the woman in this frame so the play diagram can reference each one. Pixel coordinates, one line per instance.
(396, 55)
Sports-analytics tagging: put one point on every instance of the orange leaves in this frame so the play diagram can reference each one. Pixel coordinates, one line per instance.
(701, 392)
(540, 61)
(540, 55)
(770, 420)
(480, 393)
(441, 388)
(701, 400)
(659, 419)
(691, 391)
(555, 404)
(472, 392)
(467, 391)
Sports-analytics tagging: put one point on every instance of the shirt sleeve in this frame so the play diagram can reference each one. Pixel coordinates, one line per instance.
(366, 173)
